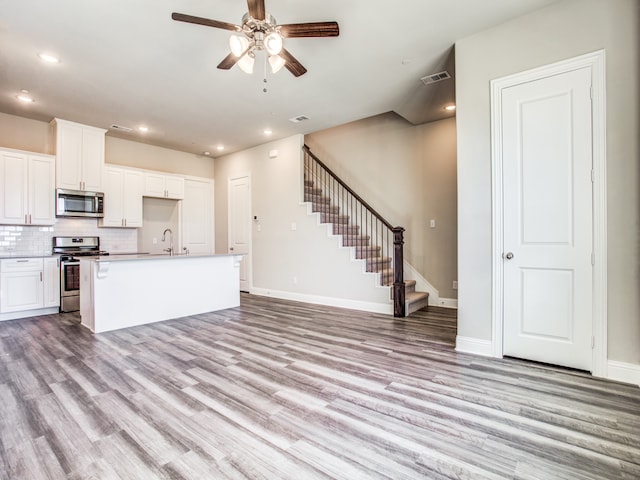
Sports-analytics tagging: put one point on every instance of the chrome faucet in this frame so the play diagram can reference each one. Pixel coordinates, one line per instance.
(170, 249)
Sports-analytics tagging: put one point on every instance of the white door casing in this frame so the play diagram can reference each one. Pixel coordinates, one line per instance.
(240, 226)
(549, 301)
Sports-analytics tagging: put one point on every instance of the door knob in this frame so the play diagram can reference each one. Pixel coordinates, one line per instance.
(231, 249)
(508, 255)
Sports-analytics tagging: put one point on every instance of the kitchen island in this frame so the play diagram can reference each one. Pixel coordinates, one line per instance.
(129, 290)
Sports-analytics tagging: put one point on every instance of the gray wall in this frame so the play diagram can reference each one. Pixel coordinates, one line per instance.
(322, 269)
(408, 174)
(563, 30)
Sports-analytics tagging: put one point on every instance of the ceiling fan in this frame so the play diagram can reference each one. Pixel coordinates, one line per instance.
(259, 31)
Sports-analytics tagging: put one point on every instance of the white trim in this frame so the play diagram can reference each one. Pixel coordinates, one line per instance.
(373, 307)
(249, 257)
(623, 372)
(446, 303)
(28, 313)
(595, 61)
(475, 346)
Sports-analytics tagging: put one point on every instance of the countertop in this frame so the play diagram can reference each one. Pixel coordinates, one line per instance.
(22, 255)
(154, 256)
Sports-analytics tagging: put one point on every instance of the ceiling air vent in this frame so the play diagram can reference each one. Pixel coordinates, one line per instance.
(121, 128)
(299, 118)
(436, 77)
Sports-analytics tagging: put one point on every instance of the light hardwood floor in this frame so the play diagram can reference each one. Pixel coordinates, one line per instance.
(283, 390)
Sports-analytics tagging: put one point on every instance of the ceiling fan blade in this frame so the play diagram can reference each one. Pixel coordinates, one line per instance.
(292, 64)
(181, 17)
(228, 62)
(256, 9)
(317, 29)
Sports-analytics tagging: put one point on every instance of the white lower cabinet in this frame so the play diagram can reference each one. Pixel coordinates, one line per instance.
(51, 282)
(122, 197)
(29, 284)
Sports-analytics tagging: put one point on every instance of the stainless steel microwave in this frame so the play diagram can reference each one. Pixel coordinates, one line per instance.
(78, 203)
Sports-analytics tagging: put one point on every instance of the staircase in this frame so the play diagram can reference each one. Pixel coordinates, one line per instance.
(361, 228)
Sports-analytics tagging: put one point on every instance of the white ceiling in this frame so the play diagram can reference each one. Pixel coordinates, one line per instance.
(126, 62)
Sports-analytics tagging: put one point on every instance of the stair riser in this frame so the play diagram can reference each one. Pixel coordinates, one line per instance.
(324, 208)
(377, 265)
(317, 199)
(367, 252)
(348, 241)
(340, 229)
(312, 191)
(332, 218)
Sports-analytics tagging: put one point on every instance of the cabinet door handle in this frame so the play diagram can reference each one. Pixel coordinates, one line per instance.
(40, 276)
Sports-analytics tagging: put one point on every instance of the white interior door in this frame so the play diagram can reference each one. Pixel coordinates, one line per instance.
(240, 226)
(547, 220)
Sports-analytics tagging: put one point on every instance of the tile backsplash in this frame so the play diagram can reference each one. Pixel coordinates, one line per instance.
(34, 241)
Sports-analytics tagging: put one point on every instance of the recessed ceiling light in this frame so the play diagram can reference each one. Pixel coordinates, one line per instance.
(143, 129)
(206, 153)
(267, 131)
(47, 57)
(220, 148)
(25, 98)
(450, 108)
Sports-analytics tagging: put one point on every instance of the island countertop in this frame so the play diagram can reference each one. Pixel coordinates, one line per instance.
(156, 256)
(120, 291)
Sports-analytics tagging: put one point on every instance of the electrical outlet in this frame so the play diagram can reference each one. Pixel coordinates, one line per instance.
(455, 285)
(432, 223)
(295, 280)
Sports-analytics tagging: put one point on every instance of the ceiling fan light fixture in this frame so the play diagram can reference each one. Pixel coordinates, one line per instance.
(276, 62)
(246, 63)
(238, 44)
(273, 43)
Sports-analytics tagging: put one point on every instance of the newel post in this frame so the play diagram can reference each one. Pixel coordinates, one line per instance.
(398, 272)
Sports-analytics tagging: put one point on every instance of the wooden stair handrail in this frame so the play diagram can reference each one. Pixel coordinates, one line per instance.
(348, 189)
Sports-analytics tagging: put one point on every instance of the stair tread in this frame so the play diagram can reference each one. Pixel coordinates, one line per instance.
(415, 296)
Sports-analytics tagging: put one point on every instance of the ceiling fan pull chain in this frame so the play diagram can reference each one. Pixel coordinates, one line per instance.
(265, 75)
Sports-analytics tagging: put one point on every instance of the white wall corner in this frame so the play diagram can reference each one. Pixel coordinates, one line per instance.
(475, 346)
(623, 372)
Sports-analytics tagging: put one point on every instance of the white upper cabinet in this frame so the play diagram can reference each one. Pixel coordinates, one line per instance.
(28, 188)
(122, 198)
(79, 155)
(163, 186)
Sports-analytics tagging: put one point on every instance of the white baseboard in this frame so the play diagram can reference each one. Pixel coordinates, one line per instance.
(623, 372)
(328, 301)
(28, 313)
(447, 303)
(475, 346)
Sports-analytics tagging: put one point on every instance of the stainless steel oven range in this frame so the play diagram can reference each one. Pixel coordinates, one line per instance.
(69, 249)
